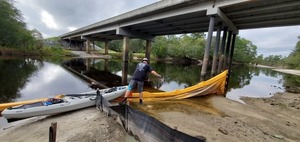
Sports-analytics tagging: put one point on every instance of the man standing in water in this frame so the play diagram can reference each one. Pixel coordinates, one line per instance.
(139, 76)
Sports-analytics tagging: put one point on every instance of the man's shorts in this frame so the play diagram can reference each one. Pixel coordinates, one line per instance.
(133, 83)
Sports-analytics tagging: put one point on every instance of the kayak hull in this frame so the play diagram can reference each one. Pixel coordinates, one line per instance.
(69, 103)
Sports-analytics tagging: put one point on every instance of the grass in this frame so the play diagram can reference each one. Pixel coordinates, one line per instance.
(55, 51)
(44, 51)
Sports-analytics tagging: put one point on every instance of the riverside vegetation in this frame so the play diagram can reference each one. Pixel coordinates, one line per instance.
(16, 39)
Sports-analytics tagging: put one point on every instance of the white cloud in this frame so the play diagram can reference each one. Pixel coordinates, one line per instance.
(61, 18)
(72, 28)
(49, 20)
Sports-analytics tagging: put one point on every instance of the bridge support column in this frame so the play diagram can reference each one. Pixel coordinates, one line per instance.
(94, 46)
(125, 48)
(124, 73)
(208, 44)
(230, 60)
(88, 46)
(87, 64)
(216, 50)
(106, 64)
(221, 58)
(232, 50)
(106, 47)
(70, 43)
(225, 66)
(148, 49)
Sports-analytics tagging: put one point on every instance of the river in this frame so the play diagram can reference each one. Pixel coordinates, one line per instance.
(28, 78)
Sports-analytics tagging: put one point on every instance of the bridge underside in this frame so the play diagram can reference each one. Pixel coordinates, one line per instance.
(189, 16)
(192, 16)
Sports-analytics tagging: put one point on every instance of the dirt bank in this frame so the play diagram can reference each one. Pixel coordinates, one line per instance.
(219, 119)
(289, 71)
(223, 120)
(84, 125)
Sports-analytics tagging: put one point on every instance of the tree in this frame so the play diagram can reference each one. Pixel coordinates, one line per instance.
(116, 45)
(273, 60)
(186, 45)
(293, 60)
(259, 59)
(245, 50)
(13, 31)
(38, 38)
(137, 45)
(159, 47)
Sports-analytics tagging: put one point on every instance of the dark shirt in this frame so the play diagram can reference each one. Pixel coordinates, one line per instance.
(141, 71)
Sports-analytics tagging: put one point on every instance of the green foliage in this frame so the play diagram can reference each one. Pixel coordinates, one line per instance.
(53, 39)
(53, 51)
(259, 59)
(116, 45)
(137, 45)
(186, 45)
(273, 60)
(293, 60)
(159, 49)
(13, 31)
(245, 50)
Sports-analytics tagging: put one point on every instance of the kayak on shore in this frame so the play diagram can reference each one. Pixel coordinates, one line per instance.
(63, 103)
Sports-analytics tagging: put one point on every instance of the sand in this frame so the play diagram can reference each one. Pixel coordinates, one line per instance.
(289, 71)
(223, 120)
(86, 125)
(216, 118)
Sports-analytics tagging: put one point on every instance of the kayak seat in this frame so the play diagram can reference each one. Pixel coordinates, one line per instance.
(111, 90)
(37, 104)
(51, 101)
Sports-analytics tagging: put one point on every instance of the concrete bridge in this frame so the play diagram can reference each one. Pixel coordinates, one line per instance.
(188, 16)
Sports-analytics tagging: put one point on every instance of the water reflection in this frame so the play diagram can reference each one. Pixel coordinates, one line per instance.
(25, 79)
(244, 81)
(259, 82)
(14, 75)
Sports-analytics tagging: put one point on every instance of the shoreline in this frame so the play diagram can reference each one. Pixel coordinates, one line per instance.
(82, 125)
(287, 71)
(259, 119)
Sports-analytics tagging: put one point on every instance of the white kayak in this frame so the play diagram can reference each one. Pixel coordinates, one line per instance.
(68, 103)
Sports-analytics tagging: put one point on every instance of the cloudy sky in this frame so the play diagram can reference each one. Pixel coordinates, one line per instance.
(55, 17)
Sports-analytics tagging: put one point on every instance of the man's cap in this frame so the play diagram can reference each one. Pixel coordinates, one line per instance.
(146, 59)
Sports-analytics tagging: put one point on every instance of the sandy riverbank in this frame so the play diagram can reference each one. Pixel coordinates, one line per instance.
(223, 120)
(288, 71)
(86, 125)
(216, 118)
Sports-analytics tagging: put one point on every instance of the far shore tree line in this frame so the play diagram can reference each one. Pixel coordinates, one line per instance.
(15, 36)
(193, 45)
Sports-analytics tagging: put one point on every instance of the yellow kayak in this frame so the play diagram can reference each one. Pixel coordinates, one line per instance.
(215, 85)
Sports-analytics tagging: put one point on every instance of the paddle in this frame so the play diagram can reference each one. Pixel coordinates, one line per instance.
(74, 95)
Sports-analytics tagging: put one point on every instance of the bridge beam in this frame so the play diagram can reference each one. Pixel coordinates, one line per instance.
(133, 34)
(223, 17)
(94, 39)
